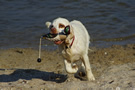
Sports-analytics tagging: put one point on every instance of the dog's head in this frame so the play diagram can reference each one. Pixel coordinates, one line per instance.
(62, 28)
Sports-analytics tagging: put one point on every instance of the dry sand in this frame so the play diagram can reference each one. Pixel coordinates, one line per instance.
(113, 68)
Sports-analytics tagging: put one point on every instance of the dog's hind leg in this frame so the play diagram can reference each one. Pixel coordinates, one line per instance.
(88, 68)
(70, 68)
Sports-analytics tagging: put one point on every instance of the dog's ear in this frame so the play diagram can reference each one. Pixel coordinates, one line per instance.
(48, 24)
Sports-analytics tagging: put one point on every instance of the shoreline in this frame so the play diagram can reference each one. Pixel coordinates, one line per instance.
(112, 67)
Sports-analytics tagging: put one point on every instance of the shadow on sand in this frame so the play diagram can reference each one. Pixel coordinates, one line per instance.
(29, 74)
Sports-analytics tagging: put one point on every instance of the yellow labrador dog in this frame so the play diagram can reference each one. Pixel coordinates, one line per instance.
(74, 46)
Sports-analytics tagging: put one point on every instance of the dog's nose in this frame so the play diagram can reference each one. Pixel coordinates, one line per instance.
(53, 30)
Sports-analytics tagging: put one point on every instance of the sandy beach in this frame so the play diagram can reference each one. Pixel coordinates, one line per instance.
(113, 68)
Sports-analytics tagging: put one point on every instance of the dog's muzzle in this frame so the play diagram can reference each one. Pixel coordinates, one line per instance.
(56, 38)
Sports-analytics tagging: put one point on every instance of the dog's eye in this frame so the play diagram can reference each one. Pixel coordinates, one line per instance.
(61, 26)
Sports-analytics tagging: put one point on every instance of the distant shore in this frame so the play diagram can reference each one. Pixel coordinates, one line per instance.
(113, 67)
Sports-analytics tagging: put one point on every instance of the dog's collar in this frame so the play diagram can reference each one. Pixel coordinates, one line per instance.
(72, 42)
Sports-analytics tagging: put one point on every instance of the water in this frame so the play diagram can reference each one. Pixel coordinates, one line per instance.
(108, 22)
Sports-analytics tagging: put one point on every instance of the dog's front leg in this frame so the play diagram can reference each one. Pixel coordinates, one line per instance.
(70, 68)
(88, 68)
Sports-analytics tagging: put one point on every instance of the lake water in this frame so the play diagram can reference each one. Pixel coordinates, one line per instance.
(108, 22)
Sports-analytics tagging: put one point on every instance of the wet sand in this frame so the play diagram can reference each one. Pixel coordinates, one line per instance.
(113, 67)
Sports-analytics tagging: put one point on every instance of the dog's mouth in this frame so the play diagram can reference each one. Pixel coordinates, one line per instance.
(56, 38)
(58, 42)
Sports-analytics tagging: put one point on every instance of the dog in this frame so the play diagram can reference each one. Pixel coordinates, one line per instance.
(74, 46)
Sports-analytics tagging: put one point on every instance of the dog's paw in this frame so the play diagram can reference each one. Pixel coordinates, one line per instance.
(91, 78)
(81, 74)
